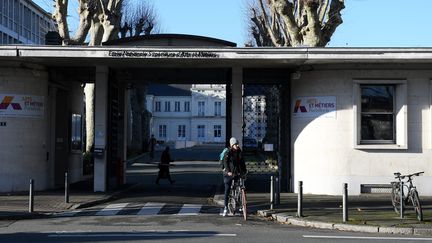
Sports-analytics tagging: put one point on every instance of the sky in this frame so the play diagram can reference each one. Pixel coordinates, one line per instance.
(367, 23)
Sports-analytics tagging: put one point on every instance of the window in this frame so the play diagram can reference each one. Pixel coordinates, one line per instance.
(187, 106)
(217, 131)
(76, 132)
(380, 114)
(167, 106)
(201, 108)
(218, 108)
(377, 114)
(201, 131)
(162, 131)
(177, 106)
(181, 132)
(158, 106)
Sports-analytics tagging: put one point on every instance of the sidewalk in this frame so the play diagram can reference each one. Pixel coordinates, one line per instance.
(16, 205)
(371, 213)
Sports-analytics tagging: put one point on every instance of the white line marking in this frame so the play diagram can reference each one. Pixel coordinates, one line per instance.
(161, 234)
(151, 208)
(111, 209)
(364, 237)
(190, 209)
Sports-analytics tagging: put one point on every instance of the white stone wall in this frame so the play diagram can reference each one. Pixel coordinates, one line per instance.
(324, 156)
(172, 127)
(173, 119)
(23, 141)
(209, 124)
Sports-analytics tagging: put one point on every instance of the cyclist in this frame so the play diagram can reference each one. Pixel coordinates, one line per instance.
(234, 167)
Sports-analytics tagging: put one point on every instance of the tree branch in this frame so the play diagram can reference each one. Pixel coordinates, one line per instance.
(334, 19)
(86, 11)
(322, 10)
(312, 31)
(285, 9)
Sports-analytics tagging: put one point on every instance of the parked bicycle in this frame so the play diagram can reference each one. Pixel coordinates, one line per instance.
(409, 194)
(237, 197)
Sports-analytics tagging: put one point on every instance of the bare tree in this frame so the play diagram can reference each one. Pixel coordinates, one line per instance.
(101, 20)
(138, 20)
(294, 22)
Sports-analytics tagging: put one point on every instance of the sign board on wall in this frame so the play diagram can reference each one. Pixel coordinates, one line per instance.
(13, 105)
(312, 107)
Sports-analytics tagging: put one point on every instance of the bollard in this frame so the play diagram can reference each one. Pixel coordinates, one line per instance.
(66, 188)
(345, 203)
(401, 201)
(300, 199)
(277, 193)
(31, 196)
(271, 192)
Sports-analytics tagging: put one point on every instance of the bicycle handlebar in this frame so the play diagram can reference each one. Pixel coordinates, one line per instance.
(398, 175)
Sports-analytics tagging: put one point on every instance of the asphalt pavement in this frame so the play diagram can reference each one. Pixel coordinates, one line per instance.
(370, 213)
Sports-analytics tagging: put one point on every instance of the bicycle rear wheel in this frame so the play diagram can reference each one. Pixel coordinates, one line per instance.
(244, 205)
(416, 204)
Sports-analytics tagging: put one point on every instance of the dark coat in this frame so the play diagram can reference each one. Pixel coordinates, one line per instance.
(164, 164)
(234, 162)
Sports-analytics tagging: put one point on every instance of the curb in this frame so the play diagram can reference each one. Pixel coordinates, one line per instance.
(36, 215)
(289, 219)
(23, 216)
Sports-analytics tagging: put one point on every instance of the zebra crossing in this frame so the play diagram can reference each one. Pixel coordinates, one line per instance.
(147, 209)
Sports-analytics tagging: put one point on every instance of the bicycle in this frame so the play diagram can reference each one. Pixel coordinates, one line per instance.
(237, 197)
(409, 194)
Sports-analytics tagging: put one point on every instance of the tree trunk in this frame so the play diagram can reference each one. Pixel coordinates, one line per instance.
(96, 32)
(295, 22)
(60, 16)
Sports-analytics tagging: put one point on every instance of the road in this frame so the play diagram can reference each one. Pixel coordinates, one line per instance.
(181, 212)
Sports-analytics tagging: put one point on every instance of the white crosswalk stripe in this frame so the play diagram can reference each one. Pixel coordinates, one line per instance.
(190, 209)
(148, 209)
(151, 208)
(111, 209)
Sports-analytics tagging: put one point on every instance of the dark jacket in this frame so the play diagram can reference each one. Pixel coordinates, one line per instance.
(234, 162)
(165, 157)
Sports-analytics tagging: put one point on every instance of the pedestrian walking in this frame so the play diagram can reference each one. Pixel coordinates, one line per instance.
(152, 146)
(164, 165)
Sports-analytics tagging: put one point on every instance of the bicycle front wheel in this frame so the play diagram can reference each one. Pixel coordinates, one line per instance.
(416, 204)
(243, 195)
(232, 203)
(395, 197)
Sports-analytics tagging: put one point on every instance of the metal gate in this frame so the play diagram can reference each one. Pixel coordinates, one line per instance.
(113, 131)
(261, 127)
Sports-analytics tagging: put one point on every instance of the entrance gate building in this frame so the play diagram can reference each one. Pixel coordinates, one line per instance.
(314, 105)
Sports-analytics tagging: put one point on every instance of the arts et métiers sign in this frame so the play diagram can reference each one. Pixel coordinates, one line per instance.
(312, 107)
(17, 105)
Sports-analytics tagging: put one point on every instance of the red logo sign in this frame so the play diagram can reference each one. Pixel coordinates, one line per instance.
(7, 100)
(299, 106)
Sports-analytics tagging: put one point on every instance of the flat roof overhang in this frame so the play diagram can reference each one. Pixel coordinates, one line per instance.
(205, 64)
(184, 57)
